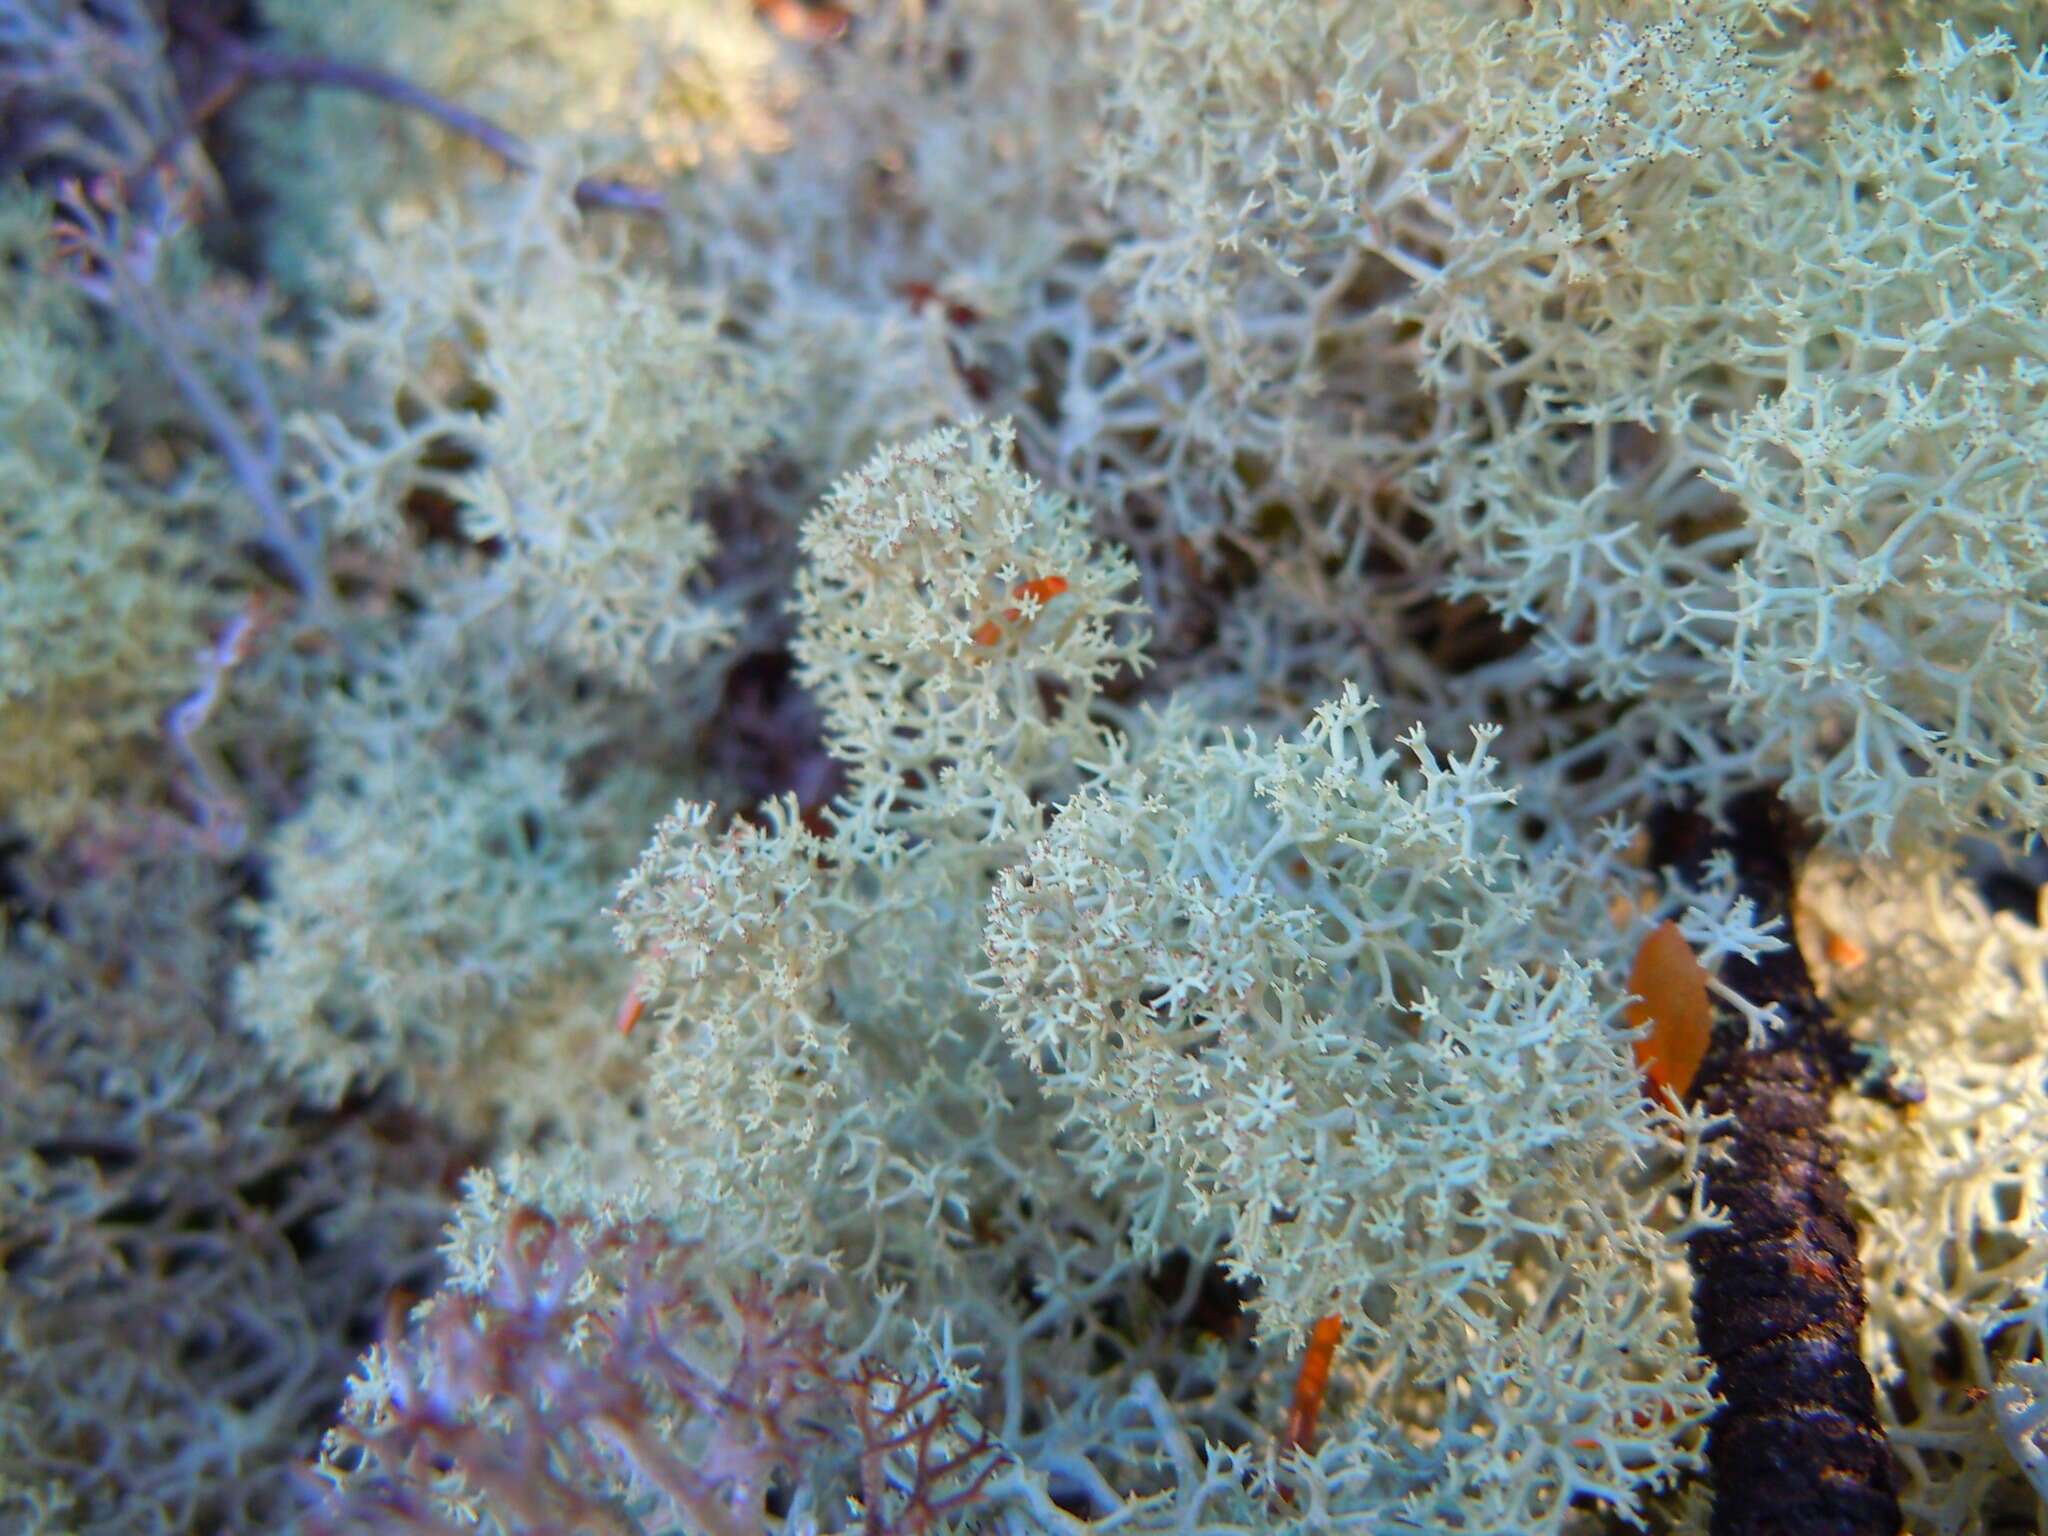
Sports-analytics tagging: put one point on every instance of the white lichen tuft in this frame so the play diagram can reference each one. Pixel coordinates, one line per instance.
(1310, 977)
(957, 625)
(1950, 1198)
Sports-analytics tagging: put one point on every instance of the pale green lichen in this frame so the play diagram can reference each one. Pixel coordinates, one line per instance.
(441, 880)
(1949, 1198)
(1653, 388)
(108, 589)
(957, 629)
(574, 411)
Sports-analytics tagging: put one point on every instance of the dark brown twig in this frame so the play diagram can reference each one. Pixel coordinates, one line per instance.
(1796, 1448)
(238, 65)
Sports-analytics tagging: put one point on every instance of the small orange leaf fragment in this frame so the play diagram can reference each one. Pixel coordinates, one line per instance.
(1045, 588)
(1312, 1381)
(1844, 952)
(804, 23)
(629, 1012)
(1643, 1420)
(1671, 1004)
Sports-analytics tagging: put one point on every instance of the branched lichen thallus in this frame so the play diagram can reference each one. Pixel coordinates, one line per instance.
(1796, 1448)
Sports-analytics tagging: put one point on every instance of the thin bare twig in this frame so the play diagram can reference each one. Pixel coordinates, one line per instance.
(242, 65)
(110, 240)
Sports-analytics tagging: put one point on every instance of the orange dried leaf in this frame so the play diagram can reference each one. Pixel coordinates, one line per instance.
(1844, 952)
(1045, 588)
(629, 1013)
(805, 23)
(1672, 1007)
(1312, 1381)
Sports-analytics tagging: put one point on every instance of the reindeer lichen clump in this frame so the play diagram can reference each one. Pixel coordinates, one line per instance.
(1149, 568)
